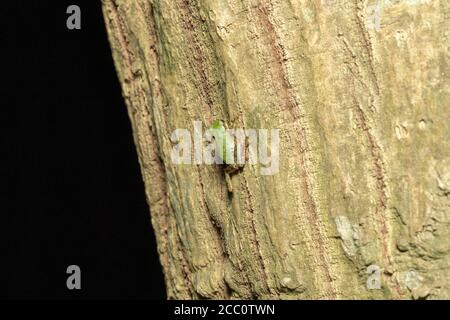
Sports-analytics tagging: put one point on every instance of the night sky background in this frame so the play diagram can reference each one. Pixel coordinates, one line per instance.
(71, 190)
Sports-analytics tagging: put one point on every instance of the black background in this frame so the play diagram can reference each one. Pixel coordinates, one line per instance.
(71, 186)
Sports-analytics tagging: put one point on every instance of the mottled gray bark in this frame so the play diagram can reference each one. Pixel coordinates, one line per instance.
(360, 93)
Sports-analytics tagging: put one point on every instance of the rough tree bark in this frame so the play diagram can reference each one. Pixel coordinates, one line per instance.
(360, 91)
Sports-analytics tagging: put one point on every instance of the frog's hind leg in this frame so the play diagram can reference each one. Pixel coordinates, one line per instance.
(229, 170)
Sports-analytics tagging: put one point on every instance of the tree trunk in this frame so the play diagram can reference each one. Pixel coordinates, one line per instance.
(359, 91)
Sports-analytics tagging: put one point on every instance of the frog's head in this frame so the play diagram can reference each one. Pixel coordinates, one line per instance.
(217, 124)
